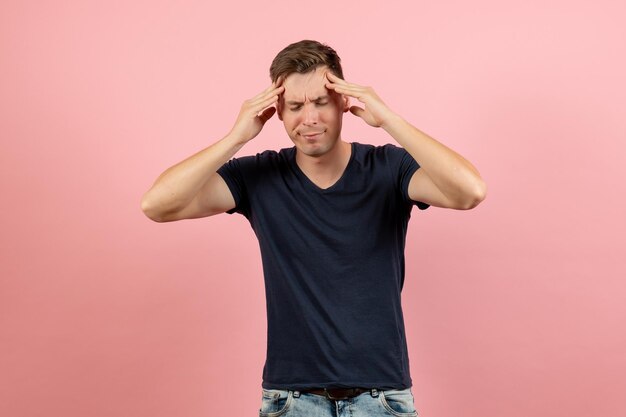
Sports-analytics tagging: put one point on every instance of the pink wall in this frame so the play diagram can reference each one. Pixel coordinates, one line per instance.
(513, 309)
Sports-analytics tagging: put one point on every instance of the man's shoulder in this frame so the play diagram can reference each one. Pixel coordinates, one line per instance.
(272, 153)
(266, 156)
(387, 147)
(379, 153)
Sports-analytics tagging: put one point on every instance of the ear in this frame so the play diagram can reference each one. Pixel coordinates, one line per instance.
(346, 103)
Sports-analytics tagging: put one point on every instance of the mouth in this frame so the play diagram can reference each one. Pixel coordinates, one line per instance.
(312, 135)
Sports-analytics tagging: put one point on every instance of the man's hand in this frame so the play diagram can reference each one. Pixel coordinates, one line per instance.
(376, 113)
(255, 112)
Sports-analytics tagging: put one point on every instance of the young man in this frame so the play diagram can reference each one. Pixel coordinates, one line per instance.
(331, 218)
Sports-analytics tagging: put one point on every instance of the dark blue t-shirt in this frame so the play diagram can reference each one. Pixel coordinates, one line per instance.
(333, 261)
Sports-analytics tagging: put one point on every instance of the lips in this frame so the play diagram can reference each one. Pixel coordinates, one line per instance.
(311, 135)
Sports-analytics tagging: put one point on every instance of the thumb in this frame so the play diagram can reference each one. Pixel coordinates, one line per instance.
(267, 114)
(357, 111)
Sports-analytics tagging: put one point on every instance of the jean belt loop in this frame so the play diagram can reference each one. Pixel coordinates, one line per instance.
(374, 392)
(296, 394)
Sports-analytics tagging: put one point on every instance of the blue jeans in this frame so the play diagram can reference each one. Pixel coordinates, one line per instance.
(374, 403)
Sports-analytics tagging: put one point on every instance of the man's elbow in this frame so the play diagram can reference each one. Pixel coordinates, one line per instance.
(475, 196)
(151, 211)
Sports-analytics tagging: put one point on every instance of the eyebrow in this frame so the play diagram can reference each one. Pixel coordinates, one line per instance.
(320, 98)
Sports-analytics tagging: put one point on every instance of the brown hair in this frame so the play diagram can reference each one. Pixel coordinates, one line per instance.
(305, 56)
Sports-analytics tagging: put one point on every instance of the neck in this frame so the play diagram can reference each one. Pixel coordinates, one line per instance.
(328, 166)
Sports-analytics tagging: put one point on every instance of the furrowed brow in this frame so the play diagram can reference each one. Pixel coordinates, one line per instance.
(320, 98)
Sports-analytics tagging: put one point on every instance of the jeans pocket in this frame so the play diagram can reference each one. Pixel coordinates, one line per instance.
(275, 402)
(399, 402)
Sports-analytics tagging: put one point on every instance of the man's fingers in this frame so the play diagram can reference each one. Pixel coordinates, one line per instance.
(348, 90)
(260, 100)
(344, 87)
(335, 79)
(267, 114)
(262, 93)
(262, 103)
(357, 111)
(271, 90)
(337, 83)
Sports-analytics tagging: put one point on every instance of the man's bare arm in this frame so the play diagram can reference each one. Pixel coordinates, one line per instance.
(192, 188)
(445, 179)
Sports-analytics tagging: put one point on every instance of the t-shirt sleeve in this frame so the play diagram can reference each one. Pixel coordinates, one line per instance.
(233, 174)
(407, 166)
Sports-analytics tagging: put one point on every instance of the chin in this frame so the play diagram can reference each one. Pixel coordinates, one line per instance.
(311, 151)
(317, 149)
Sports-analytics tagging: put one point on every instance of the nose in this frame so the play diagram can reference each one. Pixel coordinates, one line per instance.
(311, 114)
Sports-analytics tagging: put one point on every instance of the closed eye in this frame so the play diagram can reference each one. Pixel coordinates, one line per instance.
(317, 103)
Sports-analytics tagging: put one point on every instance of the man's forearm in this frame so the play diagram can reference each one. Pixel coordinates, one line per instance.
(455, 176)
(175, 188)
(179, 184)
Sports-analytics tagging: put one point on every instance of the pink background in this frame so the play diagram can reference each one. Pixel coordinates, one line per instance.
(513, 309)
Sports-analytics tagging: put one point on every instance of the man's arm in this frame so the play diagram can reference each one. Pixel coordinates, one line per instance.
(445, 178)
(192, 188)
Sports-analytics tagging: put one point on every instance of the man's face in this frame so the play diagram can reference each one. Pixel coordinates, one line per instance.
(311, 113)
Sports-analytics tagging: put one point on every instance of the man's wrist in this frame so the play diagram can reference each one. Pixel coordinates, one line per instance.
(235, 139)
(392, 122)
